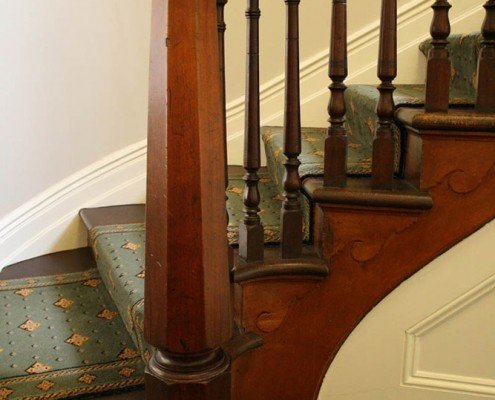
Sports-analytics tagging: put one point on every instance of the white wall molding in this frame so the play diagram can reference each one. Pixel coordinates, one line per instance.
(49, 221)
(431, 338)
(416, 377)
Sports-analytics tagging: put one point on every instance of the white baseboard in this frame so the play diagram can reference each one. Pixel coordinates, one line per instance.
(49, 222)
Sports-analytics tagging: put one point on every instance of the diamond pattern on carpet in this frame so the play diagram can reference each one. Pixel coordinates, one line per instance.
(119, 250)
(61, 337)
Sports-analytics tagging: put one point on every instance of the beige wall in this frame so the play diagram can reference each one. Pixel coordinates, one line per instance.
(73, 88)
(314, 31)
(431, 339)
(73, 98)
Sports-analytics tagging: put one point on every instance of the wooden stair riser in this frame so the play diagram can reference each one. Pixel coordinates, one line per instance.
(371, 251)
(463, 158)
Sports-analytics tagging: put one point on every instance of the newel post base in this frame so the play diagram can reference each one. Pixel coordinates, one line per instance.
(188, 377)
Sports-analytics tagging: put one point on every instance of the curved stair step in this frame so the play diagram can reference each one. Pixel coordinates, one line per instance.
(63, 336)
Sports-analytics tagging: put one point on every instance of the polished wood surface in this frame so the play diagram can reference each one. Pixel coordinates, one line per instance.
(273, 266)
(359, 192)
(63, 262)
(291, 214)
(222, 27)
(382, 173)
(134, 395)
(486, 69)
(439, 65)
(113, 215)
(371, 249)
(187, 291)
(251, 238)
(336, 142)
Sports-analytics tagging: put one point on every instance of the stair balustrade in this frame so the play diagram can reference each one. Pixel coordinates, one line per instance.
(188, 288)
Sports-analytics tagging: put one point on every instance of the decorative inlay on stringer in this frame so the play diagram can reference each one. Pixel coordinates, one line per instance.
(441, 327)
(363, 244)
(463, 182)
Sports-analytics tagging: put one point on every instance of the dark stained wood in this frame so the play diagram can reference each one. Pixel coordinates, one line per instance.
(64, 262)
(222, 27)
(308, 265)
(134, 395)
(291, 214)
(370, 252)
(336, 142)
(113, 215)
(251, 239)
(486, 69)
(382, 174)
(468, 121)
(439, 66)
(188, 313)
(359, 193)
(242, 343)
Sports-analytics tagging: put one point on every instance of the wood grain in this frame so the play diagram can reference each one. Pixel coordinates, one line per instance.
(187, 290)
(438, 72)
(370, 250)
(336, 142)
(251, 238)
(382, 171)
(291, 214)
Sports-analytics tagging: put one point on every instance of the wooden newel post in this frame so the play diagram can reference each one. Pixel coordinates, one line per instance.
(486, 68)
(187, 289)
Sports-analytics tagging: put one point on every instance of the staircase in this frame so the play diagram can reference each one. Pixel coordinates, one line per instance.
(346, 240)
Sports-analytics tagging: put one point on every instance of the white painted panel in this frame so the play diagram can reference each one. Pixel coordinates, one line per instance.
(431, 339)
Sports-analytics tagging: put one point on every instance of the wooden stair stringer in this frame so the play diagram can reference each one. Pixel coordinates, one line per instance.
(371, 251)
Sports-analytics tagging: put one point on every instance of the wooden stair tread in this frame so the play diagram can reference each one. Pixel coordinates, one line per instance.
(458, 119)
(51, 264)
(113, 215)
(358, 193)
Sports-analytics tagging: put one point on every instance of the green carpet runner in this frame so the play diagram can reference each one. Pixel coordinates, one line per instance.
(61, 337)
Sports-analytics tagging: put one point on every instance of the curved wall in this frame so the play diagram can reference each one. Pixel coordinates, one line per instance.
(431, 339)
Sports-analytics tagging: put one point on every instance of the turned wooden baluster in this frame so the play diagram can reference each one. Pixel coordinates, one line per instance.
(291, 215)
(251, 237)
(439, 67)
(336, 142)
(222, 27)
(188, 315)
(486, 68)
(383, 144)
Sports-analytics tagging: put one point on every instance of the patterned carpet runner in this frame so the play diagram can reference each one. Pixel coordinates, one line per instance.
(81, 333)
(61, 337)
